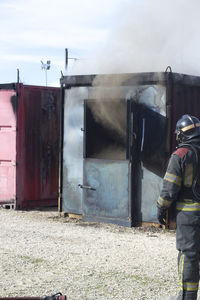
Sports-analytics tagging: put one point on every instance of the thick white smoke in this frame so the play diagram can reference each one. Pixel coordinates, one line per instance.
(150, 35)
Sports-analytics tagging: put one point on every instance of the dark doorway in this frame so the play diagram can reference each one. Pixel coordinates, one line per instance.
(105, 129)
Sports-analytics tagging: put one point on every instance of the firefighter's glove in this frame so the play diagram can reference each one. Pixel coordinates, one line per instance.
(161, 216)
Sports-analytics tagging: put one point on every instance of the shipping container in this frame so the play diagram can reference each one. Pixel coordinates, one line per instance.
(118, 134)
(29, 152)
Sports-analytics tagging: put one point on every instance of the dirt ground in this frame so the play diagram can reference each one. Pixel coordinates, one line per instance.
(43, 253)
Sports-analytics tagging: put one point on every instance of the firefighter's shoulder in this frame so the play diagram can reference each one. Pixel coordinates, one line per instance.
(181, 152)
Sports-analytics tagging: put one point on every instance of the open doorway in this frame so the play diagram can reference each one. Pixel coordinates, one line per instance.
(106, 129)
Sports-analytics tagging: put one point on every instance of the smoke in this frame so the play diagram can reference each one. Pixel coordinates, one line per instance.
(111, 115)
(109, 109)
(157, 34)
(148, 36)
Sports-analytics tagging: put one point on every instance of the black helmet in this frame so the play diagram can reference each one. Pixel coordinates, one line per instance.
(187, 128)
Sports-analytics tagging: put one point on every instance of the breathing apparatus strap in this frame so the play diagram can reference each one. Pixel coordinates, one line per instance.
(196, 177)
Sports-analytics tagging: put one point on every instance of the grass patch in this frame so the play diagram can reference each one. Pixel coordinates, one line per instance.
(33, 260)
(122, 276)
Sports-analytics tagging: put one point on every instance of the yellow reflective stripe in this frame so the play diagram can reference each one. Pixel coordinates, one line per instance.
(180, 271)
(187, 286)
(163, 202)
(186, 206)
(190, 127)
(189, 201)
(187, 127)
(188, 175)
(173, 178)
(190, 286)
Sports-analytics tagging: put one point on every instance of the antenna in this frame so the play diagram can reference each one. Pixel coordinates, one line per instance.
(67, 58)
(45, 67)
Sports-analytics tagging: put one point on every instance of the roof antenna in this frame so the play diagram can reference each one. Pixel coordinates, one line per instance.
(67, 58)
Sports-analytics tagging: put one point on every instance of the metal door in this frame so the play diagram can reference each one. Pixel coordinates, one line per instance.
(125, 191)
(8, 146)
(152, 154)
(73, 149)
(106, 184)
(106, 191)
(38, 123)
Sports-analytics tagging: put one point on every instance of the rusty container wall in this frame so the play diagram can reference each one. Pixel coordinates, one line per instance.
(38, 123)
(29, 137)
(8, 144)
(184, 98)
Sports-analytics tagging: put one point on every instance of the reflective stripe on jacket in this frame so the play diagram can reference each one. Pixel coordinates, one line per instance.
(188, 205)
(177, 182)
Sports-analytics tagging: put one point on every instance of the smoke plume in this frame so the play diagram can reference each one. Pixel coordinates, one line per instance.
(148, 36)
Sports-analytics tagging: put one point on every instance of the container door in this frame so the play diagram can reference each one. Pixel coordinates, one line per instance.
(152, 143)
(106, 191)
(106, 169)
(73, 149)
(38, 147)
(8, 146)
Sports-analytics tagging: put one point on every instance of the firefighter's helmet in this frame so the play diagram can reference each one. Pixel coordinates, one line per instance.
(187, 128)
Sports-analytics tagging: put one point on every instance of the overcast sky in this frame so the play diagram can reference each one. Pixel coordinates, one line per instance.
(105, 36)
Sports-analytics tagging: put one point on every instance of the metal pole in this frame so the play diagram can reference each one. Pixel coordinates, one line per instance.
(46, 75)
(17, 75)
(66, 59)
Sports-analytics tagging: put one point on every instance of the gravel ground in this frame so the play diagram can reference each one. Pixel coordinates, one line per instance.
(42, 253)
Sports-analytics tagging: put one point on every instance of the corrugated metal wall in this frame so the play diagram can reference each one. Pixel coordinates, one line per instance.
(38, 135)
(185, 100)
(30, 145)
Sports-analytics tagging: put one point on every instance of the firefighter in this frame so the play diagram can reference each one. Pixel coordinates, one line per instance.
(181, 184)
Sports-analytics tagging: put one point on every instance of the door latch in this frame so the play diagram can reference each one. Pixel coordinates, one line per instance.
(86, 187)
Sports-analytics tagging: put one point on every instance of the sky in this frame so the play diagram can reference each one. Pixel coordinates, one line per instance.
(102, 36)
(32, 31)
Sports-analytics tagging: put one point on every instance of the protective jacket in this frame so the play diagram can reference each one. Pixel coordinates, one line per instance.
(178, 181)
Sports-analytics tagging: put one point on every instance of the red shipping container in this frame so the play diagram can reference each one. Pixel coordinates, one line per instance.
(29, 152)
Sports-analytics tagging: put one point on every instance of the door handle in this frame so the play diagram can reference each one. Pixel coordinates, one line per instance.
(86, 187)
